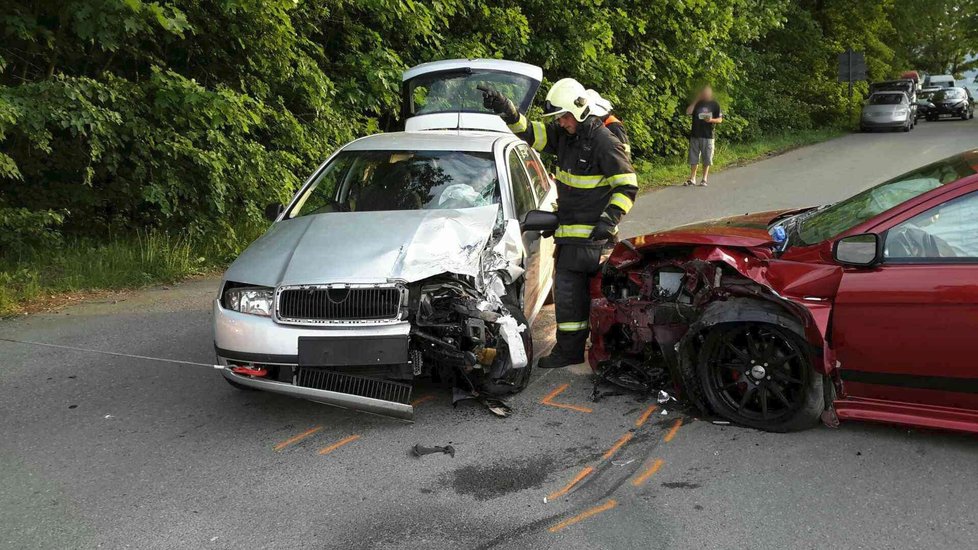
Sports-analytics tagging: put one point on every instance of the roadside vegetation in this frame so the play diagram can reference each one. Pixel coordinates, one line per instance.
(138, 138)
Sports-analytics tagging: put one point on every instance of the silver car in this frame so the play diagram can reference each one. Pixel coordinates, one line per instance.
(400, 257)
(887, 110)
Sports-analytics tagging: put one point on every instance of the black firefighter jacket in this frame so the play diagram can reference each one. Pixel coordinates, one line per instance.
(595, 179)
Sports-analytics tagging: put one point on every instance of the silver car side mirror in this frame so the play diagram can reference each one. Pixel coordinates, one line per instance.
(539, 220)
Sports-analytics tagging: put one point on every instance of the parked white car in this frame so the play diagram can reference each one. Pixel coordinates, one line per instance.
(400, 257)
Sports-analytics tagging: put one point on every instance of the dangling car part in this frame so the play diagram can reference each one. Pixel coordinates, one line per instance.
(865, 309)
(401, 257)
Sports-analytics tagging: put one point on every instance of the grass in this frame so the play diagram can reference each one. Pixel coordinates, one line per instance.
(154, 257)
(148, 257)
(675, 170)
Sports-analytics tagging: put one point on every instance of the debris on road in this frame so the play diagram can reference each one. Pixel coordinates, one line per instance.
(664, 397)
(420, 450)
(721, 422)
(622, 462)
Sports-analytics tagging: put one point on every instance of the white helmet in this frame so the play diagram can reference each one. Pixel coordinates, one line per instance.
(599, 105)
(568, 96)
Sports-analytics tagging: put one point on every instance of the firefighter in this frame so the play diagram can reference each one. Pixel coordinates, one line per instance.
(603, 108)
(596, 186)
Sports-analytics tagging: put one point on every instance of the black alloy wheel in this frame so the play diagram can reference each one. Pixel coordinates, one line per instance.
(760, 375)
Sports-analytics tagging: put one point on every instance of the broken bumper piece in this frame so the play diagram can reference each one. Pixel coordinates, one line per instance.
(326, 397)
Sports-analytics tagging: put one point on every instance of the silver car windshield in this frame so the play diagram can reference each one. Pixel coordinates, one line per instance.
(370, 181)
(886, 99)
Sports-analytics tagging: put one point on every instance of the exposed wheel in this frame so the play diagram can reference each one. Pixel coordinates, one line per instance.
(760, 375)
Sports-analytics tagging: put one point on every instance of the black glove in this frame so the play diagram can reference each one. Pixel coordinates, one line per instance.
(603, 231)
(546, 234)
(498, 103)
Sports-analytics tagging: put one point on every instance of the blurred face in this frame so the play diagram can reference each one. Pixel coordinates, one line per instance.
(568, 123)
(707, 93)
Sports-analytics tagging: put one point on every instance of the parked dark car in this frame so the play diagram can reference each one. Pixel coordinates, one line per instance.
(952, 102)
(866, 309)
(925, 104)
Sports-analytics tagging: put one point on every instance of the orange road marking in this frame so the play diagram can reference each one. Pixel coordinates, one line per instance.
(614, 448)
(555, 393)
(547, 401)
(571, 407)
(422, 399)
(338, 444)
(645, 415)
(648, 473)
(675, 428)
(583, 474)
(611, 503)
(297, 438)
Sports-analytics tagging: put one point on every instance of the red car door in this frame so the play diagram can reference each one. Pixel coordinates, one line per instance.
(906, 330)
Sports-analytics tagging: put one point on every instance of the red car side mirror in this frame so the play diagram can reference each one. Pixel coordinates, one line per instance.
(858, 250)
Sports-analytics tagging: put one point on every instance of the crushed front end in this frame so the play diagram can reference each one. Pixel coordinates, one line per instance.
(361, 346)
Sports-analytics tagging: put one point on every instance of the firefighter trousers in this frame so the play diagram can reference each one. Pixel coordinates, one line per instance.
(576, 264)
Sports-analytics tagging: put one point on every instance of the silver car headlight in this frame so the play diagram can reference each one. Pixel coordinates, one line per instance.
(254, 300)
(900, 112)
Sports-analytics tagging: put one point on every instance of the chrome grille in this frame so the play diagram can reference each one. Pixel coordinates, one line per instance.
(338, 303)
(385, 390)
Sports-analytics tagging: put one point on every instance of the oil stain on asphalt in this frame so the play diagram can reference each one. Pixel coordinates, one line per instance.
(496, 480)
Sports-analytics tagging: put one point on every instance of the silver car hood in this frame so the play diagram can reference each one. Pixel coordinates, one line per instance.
(367, 247)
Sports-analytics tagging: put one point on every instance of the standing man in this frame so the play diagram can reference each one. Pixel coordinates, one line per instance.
(706, 114)
(596, 186)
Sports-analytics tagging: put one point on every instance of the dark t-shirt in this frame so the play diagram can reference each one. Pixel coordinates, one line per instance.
(702, 128)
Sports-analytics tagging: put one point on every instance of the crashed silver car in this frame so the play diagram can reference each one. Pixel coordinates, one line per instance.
(400, 257)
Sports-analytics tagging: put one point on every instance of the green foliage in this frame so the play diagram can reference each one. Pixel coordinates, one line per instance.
(188, 116)
(939, 36)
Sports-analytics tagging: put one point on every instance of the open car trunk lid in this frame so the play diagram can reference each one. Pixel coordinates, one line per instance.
(443, 95)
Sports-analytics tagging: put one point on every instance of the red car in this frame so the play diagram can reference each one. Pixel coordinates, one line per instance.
(866, 309)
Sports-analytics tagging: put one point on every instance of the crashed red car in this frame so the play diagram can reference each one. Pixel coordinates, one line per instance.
(866, 309)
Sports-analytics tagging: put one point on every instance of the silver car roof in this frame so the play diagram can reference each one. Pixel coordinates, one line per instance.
(429, 140)
(525, 69)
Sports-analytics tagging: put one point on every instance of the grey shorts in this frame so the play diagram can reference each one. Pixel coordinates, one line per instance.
(700, 151)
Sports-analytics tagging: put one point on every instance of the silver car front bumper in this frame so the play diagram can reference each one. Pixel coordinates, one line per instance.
(252, 339)
(326, 397)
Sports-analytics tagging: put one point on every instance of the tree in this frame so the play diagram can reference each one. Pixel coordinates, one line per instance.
(940, 37)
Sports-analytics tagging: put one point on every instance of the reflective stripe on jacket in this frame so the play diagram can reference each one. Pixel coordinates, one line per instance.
(595, 179)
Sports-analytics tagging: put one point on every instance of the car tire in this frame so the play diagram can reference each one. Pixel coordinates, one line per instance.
(777, 398)
(906, 127)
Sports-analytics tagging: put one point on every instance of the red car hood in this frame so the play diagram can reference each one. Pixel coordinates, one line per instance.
(749, 230)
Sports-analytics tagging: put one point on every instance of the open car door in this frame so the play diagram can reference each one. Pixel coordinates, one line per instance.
(443, 95)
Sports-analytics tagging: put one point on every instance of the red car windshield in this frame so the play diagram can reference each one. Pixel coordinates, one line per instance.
(842, 216)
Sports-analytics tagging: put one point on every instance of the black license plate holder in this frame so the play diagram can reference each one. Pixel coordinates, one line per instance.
(349, 351)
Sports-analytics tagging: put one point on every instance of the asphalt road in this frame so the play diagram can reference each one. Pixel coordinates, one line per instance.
(123, 453)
